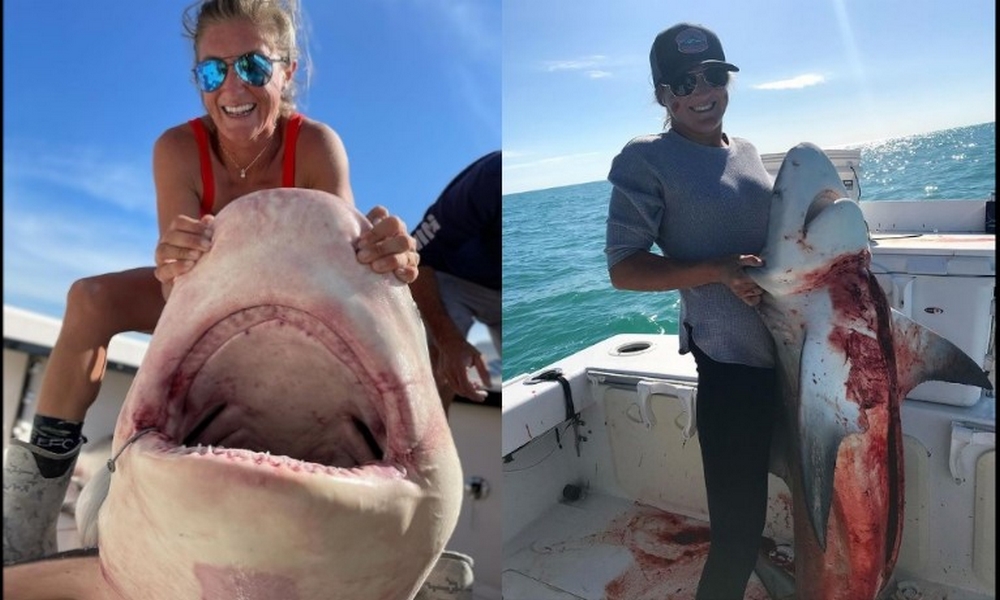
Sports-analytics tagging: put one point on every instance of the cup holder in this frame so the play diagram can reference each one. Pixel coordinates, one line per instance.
(631, 349)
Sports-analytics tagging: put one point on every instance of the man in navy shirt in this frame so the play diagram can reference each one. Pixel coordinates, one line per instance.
(459, 245)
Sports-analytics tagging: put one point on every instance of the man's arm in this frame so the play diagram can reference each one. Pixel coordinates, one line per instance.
(455, 353)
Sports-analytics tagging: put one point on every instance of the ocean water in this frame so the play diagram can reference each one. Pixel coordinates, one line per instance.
(557, 298)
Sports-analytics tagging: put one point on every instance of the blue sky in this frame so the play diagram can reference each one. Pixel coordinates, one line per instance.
(412, 87)
(576, 82)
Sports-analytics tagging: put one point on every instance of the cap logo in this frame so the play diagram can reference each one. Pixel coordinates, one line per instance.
(691, 41)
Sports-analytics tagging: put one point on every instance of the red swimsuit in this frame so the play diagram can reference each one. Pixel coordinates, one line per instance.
(208, 181)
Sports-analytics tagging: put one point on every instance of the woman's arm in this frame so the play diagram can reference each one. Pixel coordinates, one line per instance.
(322, 161)
(183, 237)
(645, 272)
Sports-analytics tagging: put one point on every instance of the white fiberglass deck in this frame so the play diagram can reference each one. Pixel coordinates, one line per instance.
(607, 548)
(612, 544)
(630, 552)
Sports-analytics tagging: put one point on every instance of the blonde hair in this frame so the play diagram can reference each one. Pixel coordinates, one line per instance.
(279, 20)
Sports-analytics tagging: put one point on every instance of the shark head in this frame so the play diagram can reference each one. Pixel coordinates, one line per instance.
(812, 221)
(283, 437)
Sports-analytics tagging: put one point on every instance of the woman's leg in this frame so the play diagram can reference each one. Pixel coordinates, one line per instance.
(37, 474)
(97, 308)
(736, 411)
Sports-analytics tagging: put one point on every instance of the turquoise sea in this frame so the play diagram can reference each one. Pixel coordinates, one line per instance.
(556, 295)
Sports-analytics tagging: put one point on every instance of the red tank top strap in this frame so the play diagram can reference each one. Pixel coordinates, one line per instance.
(207, 180)
(291, 137)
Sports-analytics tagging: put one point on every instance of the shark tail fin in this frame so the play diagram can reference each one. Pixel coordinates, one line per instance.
(923, 355)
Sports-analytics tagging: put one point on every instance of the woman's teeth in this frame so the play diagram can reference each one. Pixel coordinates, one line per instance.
(239, 110)
(703, 108)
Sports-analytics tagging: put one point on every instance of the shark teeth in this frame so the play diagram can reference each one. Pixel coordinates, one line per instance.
(286, 462)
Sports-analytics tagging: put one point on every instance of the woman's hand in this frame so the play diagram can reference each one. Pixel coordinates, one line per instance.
(181, 246)
(736, 278)
(387, 246)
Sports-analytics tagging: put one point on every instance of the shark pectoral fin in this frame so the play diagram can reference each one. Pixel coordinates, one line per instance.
(923, 355)
(838, 229)
(74, 574)
(825, 417)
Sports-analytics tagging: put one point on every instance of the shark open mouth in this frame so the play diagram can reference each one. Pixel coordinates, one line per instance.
(276, 385)
(307, 374)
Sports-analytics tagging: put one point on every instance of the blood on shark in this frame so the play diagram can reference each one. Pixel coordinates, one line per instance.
(846, 360)
(283, 436)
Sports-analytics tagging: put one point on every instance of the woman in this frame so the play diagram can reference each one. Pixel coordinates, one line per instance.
(250, 139)
(703, 197)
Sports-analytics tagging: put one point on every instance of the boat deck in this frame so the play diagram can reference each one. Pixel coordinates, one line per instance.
(631, 552)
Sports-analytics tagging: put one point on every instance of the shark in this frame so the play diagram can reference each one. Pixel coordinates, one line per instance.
(283, 437)
(845, 361)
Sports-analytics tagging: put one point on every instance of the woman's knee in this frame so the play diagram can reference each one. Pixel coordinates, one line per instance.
(90, 294)
(91, 305)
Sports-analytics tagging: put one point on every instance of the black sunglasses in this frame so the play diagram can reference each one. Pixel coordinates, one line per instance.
(252, 67)
(686, 83)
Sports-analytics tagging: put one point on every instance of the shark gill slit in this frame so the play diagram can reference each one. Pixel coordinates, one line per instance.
(369, 438)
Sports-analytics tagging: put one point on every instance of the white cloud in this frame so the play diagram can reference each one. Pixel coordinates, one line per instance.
(475, 25)
(469, 32)
(546, 162)
(795, 83)
(126, 185)
(586, 63)
(476, 92)
(553, 171)
(70, 213)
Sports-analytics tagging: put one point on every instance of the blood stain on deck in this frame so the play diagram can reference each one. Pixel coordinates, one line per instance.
(668, 552)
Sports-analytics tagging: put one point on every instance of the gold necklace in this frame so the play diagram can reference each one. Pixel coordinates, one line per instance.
(243, 170)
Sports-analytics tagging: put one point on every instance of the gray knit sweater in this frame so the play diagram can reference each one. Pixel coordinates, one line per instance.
(696, 202)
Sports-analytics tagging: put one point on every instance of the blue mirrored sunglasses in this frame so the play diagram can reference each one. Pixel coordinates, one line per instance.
(686, 83)
(253, 68)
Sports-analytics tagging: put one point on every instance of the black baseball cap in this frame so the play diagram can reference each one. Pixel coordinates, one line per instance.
(684, 46)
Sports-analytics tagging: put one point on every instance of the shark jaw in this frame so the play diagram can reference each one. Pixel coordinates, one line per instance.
(284, 437)
(318, 415)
